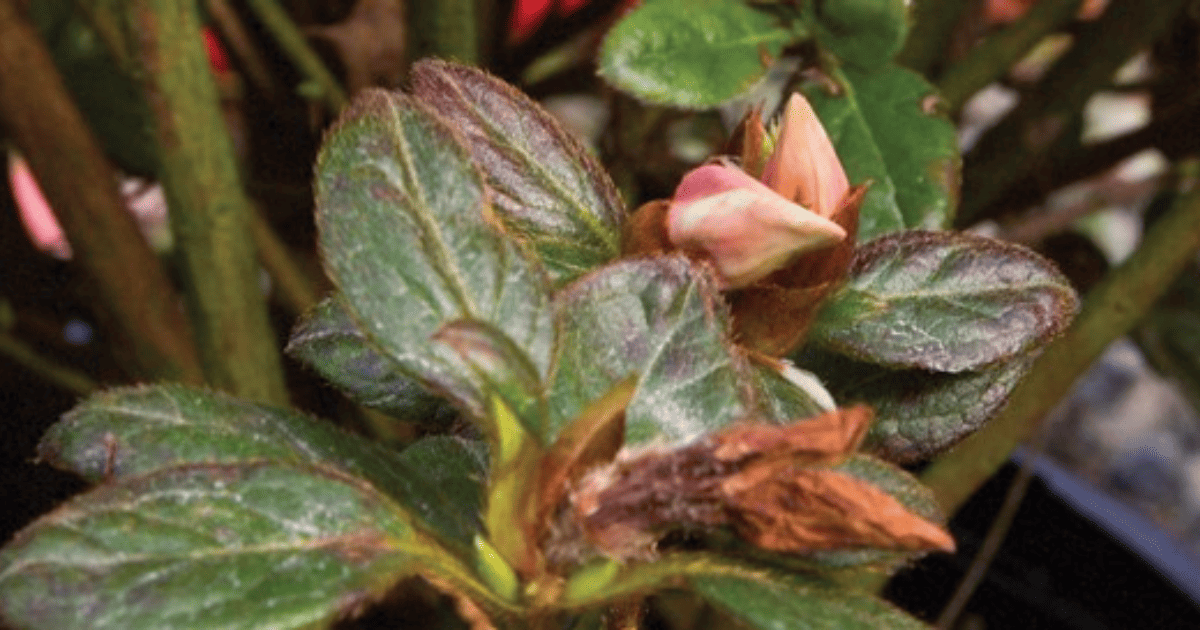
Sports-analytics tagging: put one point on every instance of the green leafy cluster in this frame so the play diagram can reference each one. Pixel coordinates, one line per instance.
(933, 329)
(476, 251)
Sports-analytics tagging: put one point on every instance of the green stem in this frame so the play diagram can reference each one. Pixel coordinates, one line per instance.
(210, 213)
(1109, 311)
(294, 286)
(133, 288)
(934, 22)
(65, 377)
(296, 47)
(1023, 142)
(445, 29)
(991, 59)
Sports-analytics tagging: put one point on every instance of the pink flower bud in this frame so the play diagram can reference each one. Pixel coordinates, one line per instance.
(804, 166)
(746, 228)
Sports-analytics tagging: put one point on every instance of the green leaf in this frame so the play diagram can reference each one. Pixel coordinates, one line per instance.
(331, 342)
(214, 546)
(406, 234)
(660, 319)
(865, 34)
(690, 53)
(885, 131)
(500, 365)
(547, 188)
(799, 603)
(134, 431)
(918, 413)
(944, 301)
(782, 400)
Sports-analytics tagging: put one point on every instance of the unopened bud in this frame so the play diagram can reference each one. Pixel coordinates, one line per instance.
(747, 229)
(804, 167)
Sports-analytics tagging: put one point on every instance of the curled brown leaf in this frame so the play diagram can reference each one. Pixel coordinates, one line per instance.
(770, 483)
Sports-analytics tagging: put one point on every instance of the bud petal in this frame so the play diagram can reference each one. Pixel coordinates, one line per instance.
(746, 228)
(804, 166)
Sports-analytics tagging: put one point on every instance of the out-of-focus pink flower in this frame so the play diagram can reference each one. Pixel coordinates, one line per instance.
(217, 59)
(36, 214)
(528, 15)
(1008, 11)
(750, 228)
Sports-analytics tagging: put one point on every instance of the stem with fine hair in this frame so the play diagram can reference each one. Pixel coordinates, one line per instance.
(1109, 311)
(41, 118)
(210, 213)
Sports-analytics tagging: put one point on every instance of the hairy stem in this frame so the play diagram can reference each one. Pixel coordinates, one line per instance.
(135, 293)
(210, 213)
(1109, 311)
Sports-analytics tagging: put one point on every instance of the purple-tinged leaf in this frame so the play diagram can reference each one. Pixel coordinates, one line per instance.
(213, 547)
(944, 302)
(547, 188)
(658, 319)
(129, 432)
(918, 413)
(332, 343)
(408, 235)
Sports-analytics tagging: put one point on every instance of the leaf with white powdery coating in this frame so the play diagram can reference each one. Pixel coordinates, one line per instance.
(215, 547)
(945, 302)
(408, 235)
(690, 53)
(547, 188)
(919, 413)
(134, 431)
(332, 343)
(660, 319)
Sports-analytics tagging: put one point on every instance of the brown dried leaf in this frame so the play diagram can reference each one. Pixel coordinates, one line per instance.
(824, 439)
(770, 482)
(783, 507)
